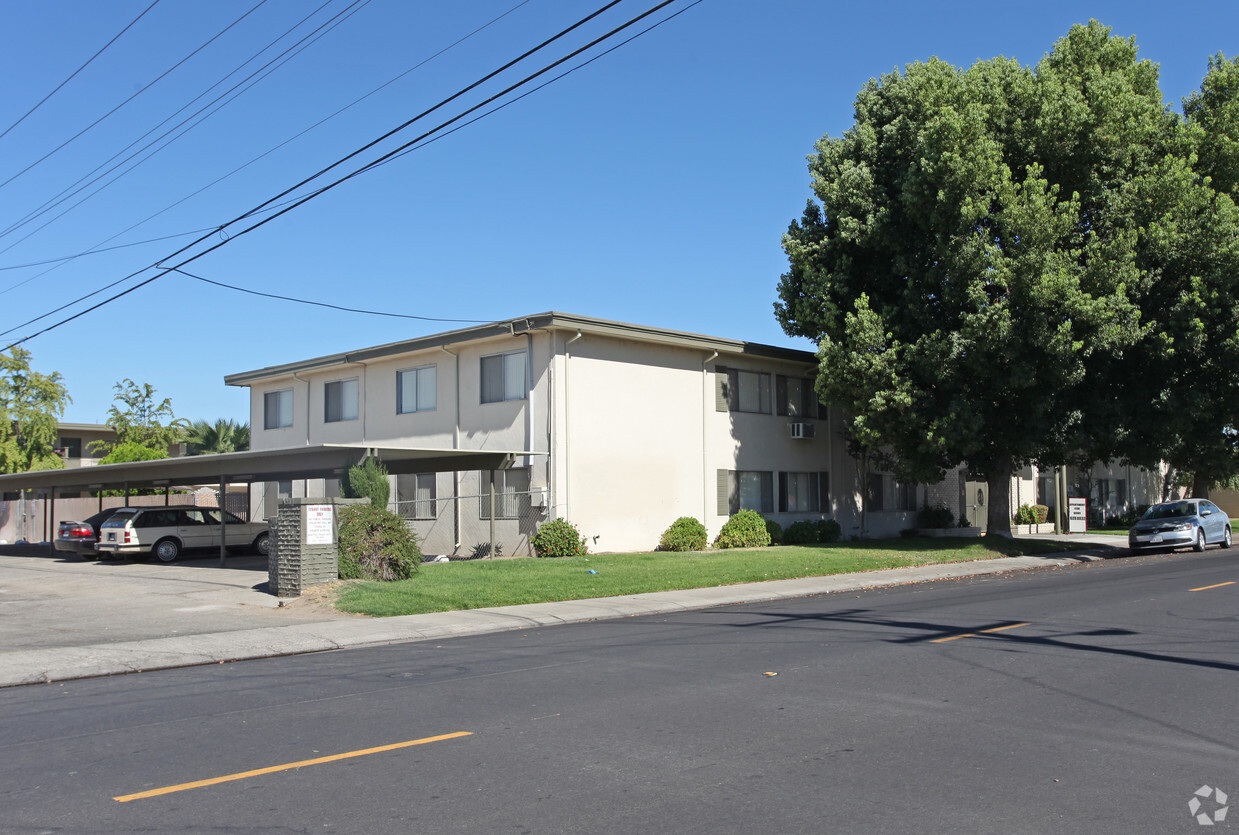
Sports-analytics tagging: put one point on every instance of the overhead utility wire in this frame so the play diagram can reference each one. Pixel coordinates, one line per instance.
(263, 206)
(79, 69)
(246, 84)
(324, 304)
(165, 270)
(98, 248)
(131, 98)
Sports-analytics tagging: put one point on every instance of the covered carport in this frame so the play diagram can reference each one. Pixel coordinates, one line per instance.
(224, 469)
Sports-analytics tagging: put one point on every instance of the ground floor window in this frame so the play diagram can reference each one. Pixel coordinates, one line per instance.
(416, 495)
(885, 492)
(511, 493)
(804, 492)
(745, 490)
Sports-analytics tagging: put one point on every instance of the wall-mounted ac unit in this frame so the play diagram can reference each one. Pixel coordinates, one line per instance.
(802, 430)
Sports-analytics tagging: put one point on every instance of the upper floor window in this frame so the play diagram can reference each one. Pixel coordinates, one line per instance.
(743, 391)
(415, 390)
(340, 400)
(795, 397)
(277, 409)
(503, 377)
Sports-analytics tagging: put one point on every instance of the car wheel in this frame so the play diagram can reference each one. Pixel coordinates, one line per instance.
(1200, 541)
(1226, 538)
(167, 550)
(262, 544)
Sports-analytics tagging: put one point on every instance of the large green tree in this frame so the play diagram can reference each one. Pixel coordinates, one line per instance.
(962, 267)
(138, 418)
(30, 403)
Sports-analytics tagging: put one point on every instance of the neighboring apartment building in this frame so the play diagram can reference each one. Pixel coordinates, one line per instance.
(628, 427)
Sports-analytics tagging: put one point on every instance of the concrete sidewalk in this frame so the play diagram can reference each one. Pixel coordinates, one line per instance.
(63, 620)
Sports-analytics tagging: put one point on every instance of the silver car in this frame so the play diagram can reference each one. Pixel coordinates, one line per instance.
(1194, 522)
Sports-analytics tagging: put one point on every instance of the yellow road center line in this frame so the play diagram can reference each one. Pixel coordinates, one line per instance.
(974, 634)
(287, 766)
(1218, 586)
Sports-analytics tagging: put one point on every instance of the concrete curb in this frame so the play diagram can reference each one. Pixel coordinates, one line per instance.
(41, 666)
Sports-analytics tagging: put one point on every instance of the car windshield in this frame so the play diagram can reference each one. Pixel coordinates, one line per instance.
(1171, 510)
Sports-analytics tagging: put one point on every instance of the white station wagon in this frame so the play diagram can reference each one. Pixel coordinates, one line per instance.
(167, 531)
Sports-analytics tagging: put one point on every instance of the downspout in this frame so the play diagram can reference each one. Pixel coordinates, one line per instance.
(705, 460)
(567, 423)
(455, 445)
(307, 407)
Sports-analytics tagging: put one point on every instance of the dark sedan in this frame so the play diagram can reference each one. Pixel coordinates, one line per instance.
(1169, 525)
(80, 538)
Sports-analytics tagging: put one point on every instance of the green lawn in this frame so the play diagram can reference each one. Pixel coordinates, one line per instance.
(480, 584)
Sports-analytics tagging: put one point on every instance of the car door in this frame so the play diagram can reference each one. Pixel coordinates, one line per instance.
(1215, 522)
(195, 529)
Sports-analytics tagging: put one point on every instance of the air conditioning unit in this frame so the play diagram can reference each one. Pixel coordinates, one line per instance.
(802, 430)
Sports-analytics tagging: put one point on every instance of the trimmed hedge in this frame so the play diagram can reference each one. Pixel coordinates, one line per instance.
(558, 538)
(806, 532)
(684, 534)
(747, 529)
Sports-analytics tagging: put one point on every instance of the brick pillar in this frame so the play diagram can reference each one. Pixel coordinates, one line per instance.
(304, 552)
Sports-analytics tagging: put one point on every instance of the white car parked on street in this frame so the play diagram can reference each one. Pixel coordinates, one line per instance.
(167, 531)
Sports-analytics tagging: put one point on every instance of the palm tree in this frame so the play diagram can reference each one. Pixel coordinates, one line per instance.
(224, 436)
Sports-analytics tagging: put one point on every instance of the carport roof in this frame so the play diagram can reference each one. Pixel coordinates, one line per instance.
(320, 461)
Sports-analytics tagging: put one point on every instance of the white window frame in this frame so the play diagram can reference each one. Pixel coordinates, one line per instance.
(420, 402)
(277, 421)
(346, 413)
(512, 379)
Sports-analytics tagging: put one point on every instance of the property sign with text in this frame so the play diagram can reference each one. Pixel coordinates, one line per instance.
(1077, 515)
(319, 524)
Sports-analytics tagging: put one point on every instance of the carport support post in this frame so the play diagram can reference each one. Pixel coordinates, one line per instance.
(223, 522)
(491, 552)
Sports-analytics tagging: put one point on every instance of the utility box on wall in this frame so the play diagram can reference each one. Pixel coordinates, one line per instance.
(304, 550)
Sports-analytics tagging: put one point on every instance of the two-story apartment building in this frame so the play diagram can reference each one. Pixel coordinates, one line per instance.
(626, 428)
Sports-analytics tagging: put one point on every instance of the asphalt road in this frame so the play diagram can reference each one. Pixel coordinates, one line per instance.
(1097, 698)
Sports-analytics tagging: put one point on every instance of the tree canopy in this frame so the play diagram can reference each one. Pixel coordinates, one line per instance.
(224, 435)
(30, 403)
(139, 418)
(994, 255)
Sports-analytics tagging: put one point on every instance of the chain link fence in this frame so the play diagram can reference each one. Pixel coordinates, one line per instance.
(460, 527)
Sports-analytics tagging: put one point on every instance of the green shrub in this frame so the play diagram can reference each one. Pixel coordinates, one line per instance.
(803, 532)
(776, 532)
(367, 480)
(375, 544)
(935, 517)
(558, 538)
(747, 529)
(828, 530)
(684, 534)
(1041, 512)
(1025, 515)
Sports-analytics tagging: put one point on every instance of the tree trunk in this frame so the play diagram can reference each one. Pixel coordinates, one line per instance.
(1200, 487)
(998, 479)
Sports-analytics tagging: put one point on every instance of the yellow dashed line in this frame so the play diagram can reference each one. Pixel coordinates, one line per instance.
(1218, 586)
(974, 634)
(287, 766)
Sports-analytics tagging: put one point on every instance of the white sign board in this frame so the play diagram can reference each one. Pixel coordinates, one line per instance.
(319, 524)
(1077, 515)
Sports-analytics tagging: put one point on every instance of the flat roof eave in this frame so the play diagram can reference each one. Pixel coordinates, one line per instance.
(282, 464)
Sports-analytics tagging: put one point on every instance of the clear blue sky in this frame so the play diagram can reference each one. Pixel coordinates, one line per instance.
(652, 186)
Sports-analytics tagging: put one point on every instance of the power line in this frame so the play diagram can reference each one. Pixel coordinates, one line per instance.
(73, 75)
(231, 94)
(131, 98)
(97, 247)
(322, 190)
(324, 304)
